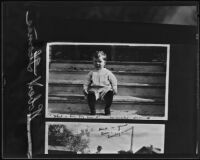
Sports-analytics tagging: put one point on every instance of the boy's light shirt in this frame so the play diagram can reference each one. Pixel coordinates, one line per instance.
(99, 82)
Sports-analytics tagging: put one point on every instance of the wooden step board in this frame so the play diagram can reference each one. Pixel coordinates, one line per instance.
(116, 98)
(124, 89)
(125, 105)
(122, 76)
(112, 65)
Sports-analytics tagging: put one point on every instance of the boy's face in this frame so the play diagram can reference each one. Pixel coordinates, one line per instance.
(99, 63)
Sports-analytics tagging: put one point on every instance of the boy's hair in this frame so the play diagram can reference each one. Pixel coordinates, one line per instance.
(99, 54)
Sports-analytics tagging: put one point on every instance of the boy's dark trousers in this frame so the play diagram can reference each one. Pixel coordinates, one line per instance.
(108, 98)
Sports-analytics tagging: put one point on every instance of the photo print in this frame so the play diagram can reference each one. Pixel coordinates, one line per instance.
(104, 138)
(141, 77)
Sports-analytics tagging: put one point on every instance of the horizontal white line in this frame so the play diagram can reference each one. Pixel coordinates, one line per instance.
(108, 44)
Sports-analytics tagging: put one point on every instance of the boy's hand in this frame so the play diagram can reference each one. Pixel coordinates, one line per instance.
(114, 92)
(85, 92)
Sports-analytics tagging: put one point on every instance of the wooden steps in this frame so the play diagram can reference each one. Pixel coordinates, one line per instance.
(141, 89)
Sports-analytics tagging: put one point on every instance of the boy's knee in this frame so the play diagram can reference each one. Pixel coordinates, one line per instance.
(109, 94)
(91, 94)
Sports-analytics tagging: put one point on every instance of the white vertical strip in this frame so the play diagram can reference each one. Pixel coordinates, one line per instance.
(29, 153)
(167, 83)
(163, 148)
(47, 80)
(46, 138)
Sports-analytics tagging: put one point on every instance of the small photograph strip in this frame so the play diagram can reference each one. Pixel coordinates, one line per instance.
(104, 138)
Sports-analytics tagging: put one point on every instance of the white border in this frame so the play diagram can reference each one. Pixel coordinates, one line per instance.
(47, 80)
(110, 44)
(167, 83)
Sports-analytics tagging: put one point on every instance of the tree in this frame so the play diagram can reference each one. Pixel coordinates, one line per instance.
(59, 135)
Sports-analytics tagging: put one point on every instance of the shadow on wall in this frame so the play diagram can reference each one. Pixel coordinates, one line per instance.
(177, 15)
(186, 15)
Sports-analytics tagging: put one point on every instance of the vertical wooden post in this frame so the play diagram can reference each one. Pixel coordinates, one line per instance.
(77, 53)
(131, 148)
(112, 53)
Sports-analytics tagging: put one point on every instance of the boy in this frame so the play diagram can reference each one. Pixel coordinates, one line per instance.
(100, 84)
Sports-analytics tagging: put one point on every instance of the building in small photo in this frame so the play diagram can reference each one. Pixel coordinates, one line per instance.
(148, 150)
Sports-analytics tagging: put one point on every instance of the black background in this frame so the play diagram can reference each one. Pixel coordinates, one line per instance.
(71, 22)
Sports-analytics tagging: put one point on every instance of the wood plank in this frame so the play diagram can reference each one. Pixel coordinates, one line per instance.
(113, 66)
(116, 99)
(123, 89)
(131, 109)
(121, 76)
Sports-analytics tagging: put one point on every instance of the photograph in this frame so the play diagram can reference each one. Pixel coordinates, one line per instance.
(107, 80)
(104, 138)
(113, 79)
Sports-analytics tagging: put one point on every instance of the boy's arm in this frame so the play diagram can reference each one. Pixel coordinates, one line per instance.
(113, 81)
(87, 82)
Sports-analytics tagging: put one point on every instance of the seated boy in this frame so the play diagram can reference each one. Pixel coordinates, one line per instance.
(100, 84)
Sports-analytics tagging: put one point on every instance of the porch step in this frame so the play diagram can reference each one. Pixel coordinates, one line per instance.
(128, 105)
(122, 76)
(124, 89)
(116, 98)
(111, 65)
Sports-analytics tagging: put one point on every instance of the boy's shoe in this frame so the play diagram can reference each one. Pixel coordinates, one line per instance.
(107, 112)
(93, 113)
